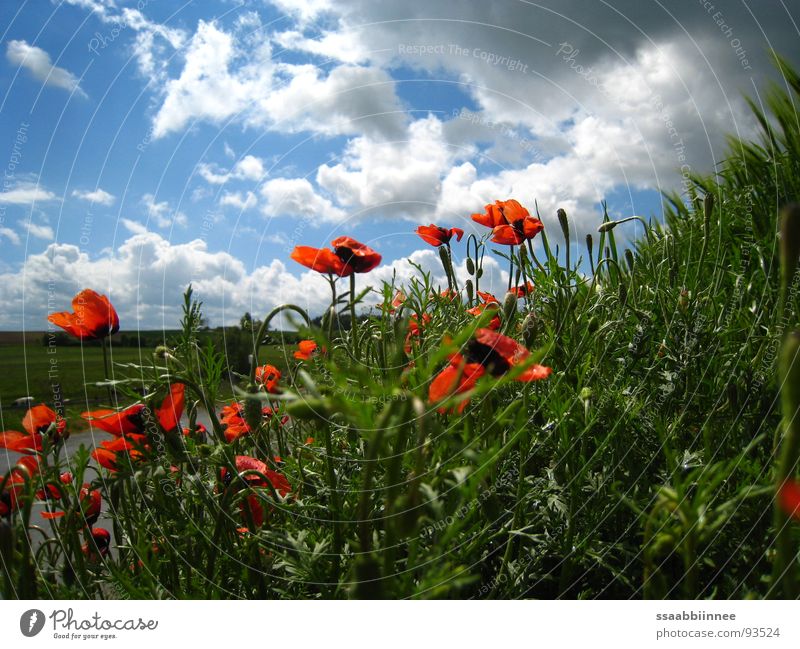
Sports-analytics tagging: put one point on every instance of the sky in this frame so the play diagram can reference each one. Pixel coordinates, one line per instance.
(150, 144)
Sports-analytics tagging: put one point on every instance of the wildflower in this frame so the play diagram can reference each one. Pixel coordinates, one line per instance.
(93, 317)
(487, 352)
(232, 417)
(268, 376)
(436, 236)
(489, 302)
(38, 421)
(98, 547)
(522, 290)
(118, 423)
(510, 222)
(305, 349)
(347, 257)
(250, 507)
(789, 498)
(414, 330)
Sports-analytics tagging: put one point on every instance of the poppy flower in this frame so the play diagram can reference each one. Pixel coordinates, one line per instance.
(268, 376)
(487, 352)
(98, 547)
(789, 498)
(93, 317)
(305, 349)
(170, 411)
(113, 454)
(37, 421)
(414, 330)
(490, 302)
(398, 301)
(118, 423)
(90, 501)
(251, 507)
(347, 257)
(26, 468)
(522, 290)
(436, 236)
(52, 491)
(517, 232)
(501, 213)
(232, 417)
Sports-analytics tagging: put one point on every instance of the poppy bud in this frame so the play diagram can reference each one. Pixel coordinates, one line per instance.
(479, 274)
(529, 329)
(607, 226)
(790, 244)
(161, 351)
(593, 325)
(623, 293)
(252, 413)
(470, 290)
(629, 258)
(509, 306)
(470, 266)
(589, 245)
(309, 409)
(564, 222)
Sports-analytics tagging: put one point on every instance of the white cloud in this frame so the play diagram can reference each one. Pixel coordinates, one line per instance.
(38, 63)
(134, 227)
(163, 215)
(224, 77)
(296, 197)
(9, 234)
(40, 231)
(99, 196)
(25, 194)
(239, 201)
(248, 168)
(146, 275)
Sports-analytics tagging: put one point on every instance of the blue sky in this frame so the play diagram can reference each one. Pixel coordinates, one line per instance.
(147, 145)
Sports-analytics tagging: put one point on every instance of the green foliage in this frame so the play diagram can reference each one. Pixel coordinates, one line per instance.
(642, 467)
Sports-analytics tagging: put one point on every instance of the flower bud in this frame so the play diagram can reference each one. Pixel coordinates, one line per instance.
(629, 258)
(589, 245)
(509, 306)
(470, 290)
(607, 226)
(470, 266)
(530, 327)
(564, 223)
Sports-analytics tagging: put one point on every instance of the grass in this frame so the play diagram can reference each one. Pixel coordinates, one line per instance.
(644, 466)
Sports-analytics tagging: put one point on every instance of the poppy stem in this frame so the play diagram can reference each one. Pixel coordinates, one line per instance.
(106, 370)
(510, 266)
(353, 324)
(335, 511)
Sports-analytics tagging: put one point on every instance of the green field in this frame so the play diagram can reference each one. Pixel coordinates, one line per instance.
(35, 370)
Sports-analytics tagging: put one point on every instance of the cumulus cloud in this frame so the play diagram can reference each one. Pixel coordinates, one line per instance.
(146, 275)
(40, 231)
(249, 167)
(25, 194)
(99, 196)
(162, 214)
(297, 197)
(9, 234)
(221, 80)
(38, 63)
(240, 201)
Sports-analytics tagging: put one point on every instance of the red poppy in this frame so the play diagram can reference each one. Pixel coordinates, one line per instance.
(93, 317)
(518, 231)
(501, 213)
(26, 468)
(232, 417)
(98, 547)
(171, 409)
(52, 491)
(347, 257)
(398, 301)
(449, 294)
(488, 351)
(436, 236)
(789, 498)
(305, 348)
(491, 303)
(118, 423)
(414, 330)
(522, 290)
(250, 507)
(37, 421)
(268, 376)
